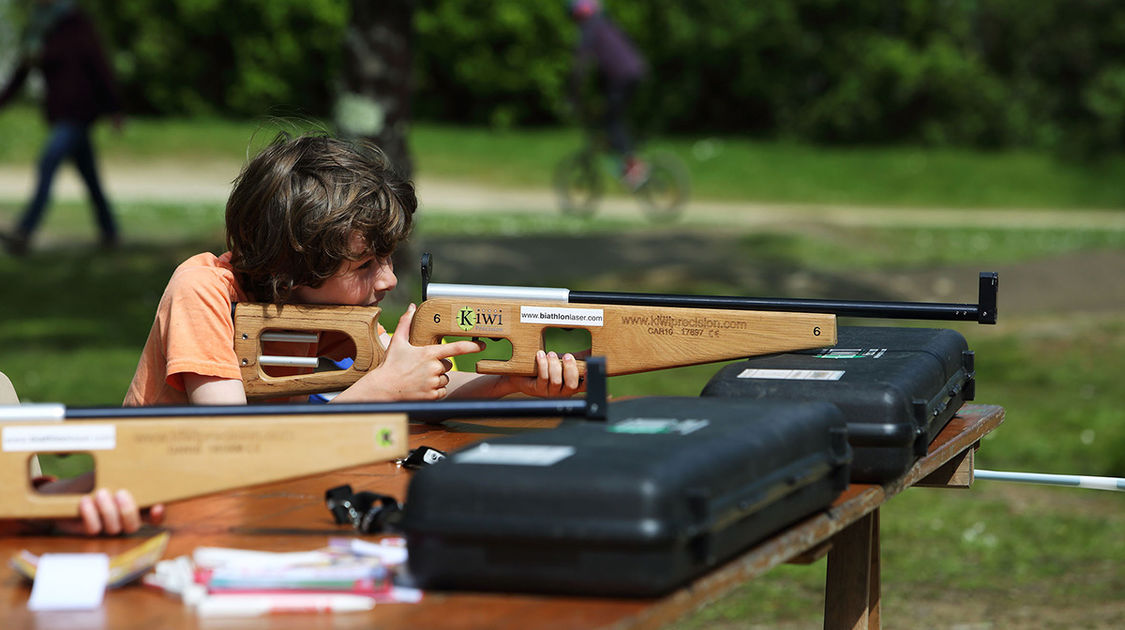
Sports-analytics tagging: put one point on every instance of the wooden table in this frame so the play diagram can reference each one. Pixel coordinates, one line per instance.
(292, 516)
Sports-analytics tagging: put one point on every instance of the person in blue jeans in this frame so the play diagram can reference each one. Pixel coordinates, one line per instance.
(61, 41)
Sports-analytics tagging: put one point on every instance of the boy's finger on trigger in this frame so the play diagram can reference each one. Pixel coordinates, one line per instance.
(456, 348)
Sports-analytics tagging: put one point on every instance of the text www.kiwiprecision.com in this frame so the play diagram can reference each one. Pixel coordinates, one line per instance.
(671, 321)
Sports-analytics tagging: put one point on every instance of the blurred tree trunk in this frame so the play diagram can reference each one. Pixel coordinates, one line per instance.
(375, 100)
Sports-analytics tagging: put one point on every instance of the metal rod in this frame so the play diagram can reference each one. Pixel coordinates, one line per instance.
(498, 292)
(271, 360)
(592, 406)
(847, 308)
(290, 337)
(984, 311)
(1075, 481)
(415, 409)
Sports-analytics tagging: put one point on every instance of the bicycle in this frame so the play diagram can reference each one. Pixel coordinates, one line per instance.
(579, 180)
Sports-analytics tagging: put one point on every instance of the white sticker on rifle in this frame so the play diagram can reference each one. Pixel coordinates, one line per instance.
(793, 375)
(514, 454)
(72, 437)
(558, 316)
(658, 425)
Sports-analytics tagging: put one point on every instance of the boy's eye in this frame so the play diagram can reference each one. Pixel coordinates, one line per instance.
(366, 264)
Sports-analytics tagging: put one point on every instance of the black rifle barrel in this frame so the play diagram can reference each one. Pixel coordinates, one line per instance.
(414, 409)
(592, 407)
(983, 312)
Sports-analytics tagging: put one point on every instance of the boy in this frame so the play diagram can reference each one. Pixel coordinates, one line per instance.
(310, 220)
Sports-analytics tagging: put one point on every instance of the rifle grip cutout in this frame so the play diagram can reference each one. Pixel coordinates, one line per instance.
(251, 320)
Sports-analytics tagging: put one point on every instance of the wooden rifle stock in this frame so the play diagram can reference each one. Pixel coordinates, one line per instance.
(637, 332)
(166, 453)
(632, 338)
(255, 324)
(180, 455)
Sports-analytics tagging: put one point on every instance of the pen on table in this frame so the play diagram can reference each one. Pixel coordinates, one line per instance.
(253, 605)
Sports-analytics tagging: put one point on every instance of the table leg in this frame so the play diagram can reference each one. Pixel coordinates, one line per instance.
(874, 584)
(852, 587)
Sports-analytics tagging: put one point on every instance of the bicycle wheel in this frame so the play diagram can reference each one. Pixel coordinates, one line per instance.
(666, 189)
(578, 184)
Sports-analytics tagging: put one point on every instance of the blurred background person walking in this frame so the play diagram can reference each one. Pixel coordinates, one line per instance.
(61, 42)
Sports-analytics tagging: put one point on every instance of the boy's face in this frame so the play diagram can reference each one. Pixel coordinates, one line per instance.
(362, 282)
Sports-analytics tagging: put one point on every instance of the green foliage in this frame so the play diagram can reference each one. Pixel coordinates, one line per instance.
(982, 73)
(986, 73)
(247, 57)
(495, 62)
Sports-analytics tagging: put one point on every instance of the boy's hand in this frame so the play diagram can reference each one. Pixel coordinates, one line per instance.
(109, 513)
(556, 378)
(409, 372)
(102, 512)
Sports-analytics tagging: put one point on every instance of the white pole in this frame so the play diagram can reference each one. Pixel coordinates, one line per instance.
(1074, 481)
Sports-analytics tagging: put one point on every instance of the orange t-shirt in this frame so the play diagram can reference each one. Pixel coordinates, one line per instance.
(193, 332)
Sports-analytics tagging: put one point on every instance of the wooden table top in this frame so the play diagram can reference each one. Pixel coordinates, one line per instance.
(291, 515)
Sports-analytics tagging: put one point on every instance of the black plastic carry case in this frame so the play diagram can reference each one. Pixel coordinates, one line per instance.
(897, 386)
(634, 506)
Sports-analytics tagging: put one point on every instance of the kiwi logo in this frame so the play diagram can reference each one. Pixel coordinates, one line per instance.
(466, 318)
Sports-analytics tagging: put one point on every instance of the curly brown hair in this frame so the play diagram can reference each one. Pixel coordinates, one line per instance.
(296, 204)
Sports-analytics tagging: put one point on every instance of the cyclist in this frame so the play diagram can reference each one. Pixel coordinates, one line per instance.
(620, 67)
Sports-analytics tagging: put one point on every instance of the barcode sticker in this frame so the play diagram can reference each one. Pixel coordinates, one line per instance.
(852, 353)
(793, 375)
(514, 454)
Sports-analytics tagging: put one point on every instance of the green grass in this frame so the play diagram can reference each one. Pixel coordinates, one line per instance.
(736, 169)
(910, 248)
(73, 320)
(722, 169)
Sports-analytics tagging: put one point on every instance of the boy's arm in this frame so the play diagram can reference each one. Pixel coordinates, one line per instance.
(212, 390)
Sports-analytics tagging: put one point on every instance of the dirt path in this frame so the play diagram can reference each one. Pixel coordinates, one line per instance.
(1087, 282)
(210, 182)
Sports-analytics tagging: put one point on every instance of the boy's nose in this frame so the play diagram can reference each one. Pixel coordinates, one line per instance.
(387, 278)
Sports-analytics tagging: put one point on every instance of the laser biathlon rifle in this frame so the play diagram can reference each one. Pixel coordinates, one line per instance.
(636, 332)
(166, 453)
